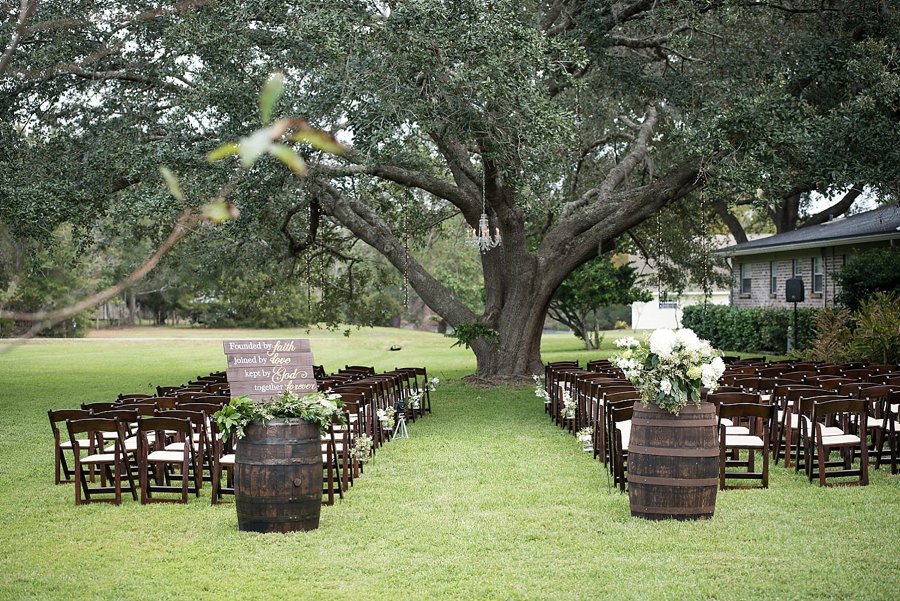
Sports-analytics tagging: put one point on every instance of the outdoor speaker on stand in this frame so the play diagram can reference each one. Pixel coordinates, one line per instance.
(794, 293)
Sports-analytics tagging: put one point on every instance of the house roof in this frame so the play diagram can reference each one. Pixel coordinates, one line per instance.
(872, 226)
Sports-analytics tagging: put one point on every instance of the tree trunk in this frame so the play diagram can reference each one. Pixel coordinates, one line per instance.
(519, 323)
(132, 306)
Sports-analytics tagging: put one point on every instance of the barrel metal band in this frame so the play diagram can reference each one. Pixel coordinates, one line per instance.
(671, 452)
(636, 479)
(674, 423)
(673, 510)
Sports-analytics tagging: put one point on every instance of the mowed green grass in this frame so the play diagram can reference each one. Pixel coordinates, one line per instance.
(486, 500)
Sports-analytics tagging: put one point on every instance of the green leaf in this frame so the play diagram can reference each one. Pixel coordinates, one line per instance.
(319, 139)
(225, 150)
(254, 145)
(172, 183)
(219, 211)
(270, 95)
(289, 157)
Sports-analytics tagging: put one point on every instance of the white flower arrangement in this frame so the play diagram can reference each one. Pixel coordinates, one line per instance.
(362, 448)
(586, 437)
(433, 384)
(670, 370)
(568, 405)
(386, 418)
(415, 400)
(539, 390)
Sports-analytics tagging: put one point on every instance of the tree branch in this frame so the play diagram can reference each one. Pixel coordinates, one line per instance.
(26, 11)
(835, 210)
(731, 222)
(405, 177)
(623, 169)
(369, 227)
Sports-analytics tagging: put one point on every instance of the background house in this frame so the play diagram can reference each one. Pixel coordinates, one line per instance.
(666, 307)
(760, 267)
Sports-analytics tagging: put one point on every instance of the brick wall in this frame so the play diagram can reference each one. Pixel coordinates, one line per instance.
(760, 271)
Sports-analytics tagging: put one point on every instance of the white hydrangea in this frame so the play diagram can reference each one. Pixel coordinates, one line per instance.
(662, 342)
(688, 339)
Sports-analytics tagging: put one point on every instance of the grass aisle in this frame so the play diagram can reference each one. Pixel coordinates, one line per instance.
(486, 500)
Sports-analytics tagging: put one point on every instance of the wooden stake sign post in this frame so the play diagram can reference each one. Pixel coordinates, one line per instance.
(262, 369)
(278, 464)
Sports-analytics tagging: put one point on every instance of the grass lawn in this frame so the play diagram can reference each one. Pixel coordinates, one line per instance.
(486, 500)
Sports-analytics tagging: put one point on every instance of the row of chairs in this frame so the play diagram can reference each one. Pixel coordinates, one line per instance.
(602, 401)
(115, 451)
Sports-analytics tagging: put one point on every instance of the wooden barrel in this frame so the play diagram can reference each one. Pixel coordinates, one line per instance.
(673, 462)
(278, 477)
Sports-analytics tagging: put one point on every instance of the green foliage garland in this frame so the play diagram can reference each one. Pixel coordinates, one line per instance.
(318, 409)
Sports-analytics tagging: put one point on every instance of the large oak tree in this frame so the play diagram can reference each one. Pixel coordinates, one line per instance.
(569, 122)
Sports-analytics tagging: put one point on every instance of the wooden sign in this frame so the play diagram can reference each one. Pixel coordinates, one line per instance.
(262, 369)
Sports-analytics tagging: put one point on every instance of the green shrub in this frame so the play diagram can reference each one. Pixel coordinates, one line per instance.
(876, 270)
(749, 330)
(833, 335)
(877, 334)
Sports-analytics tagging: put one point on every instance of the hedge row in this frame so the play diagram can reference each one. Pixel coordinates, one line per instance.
(749, 330)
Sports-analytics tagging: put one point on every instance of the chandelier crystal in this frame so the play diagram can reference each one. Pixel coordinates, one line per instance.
(481, 238)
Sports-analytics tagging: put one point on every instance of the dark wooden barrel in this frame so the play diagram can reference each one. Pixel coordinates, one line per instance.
(278, 477)
(673, 462)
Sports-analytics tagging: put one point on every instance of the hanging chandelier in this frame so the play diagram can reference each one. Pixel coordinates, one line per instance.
(481, 238)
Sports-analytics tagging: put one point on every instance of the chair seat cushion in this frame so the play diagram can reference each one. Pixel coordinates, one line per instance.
(626, 438)
(83, 443)
(743, 441)
(227, 459)
(99, 458)
(737, 431)
(170, 456)
(179, 446)
(842, 439)
(131, 445)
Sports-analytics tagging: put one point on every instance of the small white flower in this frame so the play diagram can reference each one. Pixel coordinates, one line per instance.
(627, 342)
(665, 386)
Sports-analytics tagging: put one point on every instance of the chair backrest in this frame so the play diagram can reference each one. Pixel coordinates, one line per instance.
(739, 410)
(62, 415)
(204, 408)
(878, 392)
(186, 397)
(99, 406)
(161, 423)
(124, 415)
(93, 426)
(805, 404)
(799, 375)
(621, 413)
(833, 410)
(624, 395)
(166, 390)
(863, 373)
(724, 398)
(136, 395)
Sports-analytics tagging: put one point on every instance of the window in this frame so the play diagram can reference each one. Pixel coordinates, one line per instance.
(818, 277)
(667, 302)
(795, 268)
(773, 278)
(746, 279)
